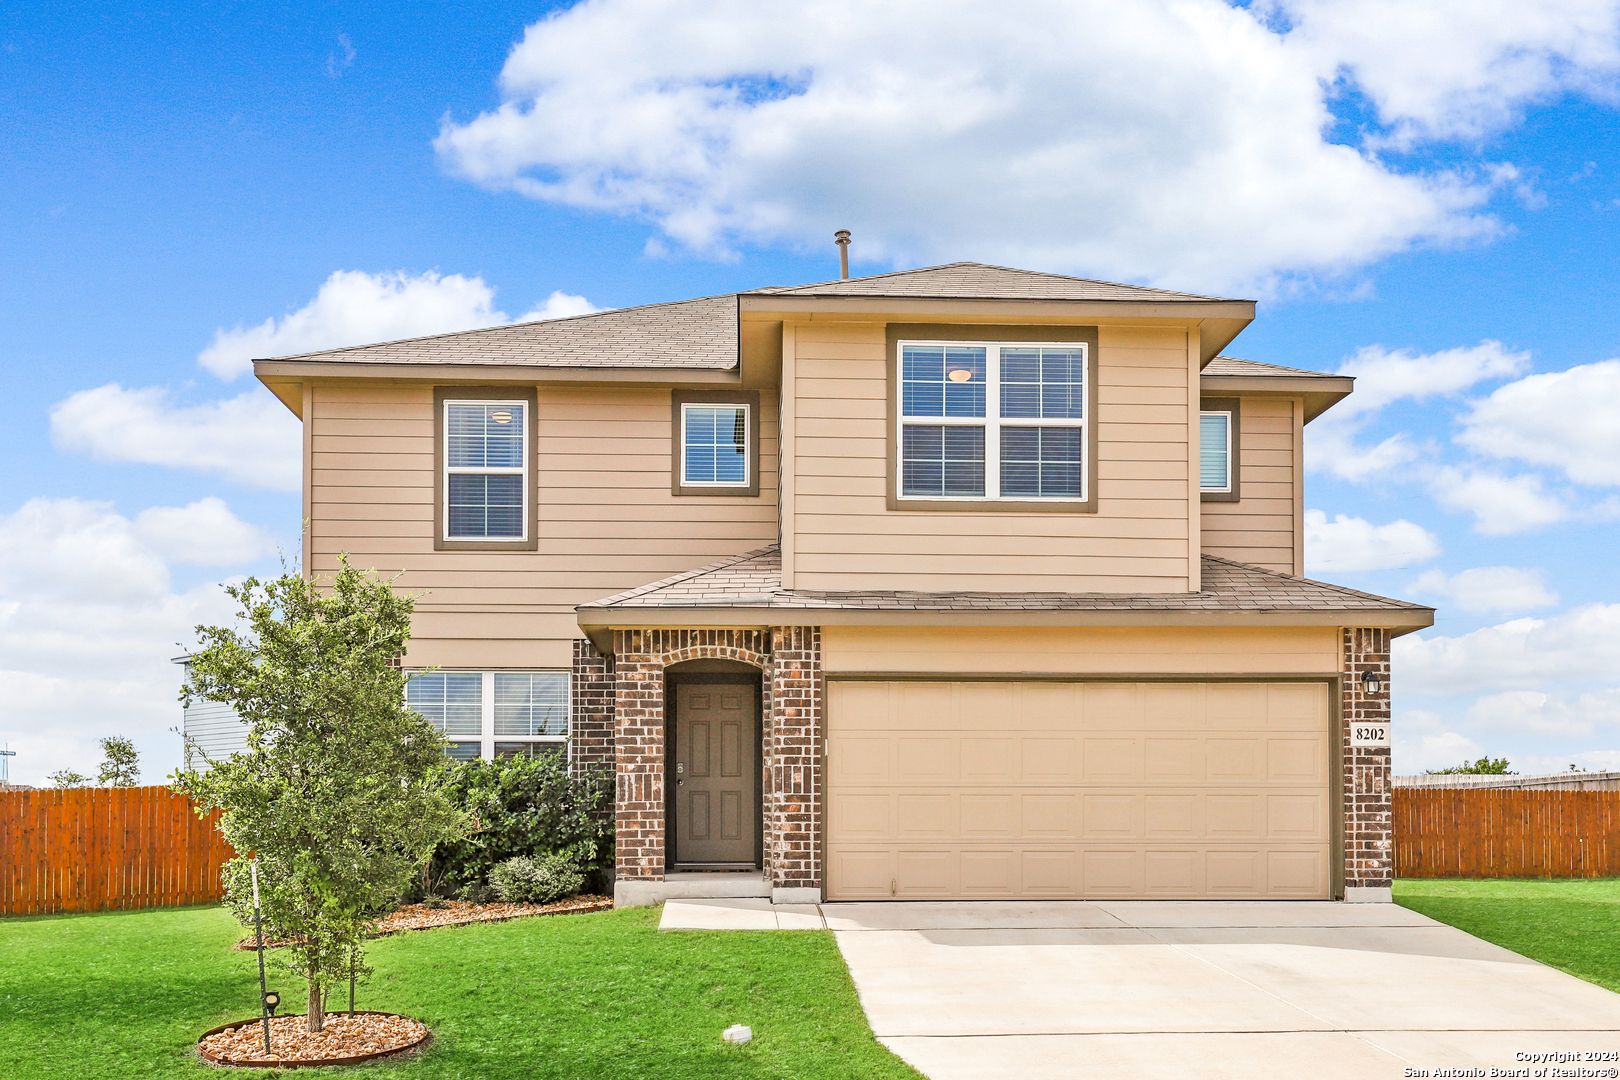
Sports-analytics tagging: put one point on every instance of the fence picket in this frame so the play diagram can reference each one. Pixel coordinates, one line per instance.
(95, 849)
(1483, 833)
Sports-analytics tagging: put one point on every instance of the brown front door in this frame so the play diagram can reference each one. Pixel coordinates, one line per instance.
(716, 774)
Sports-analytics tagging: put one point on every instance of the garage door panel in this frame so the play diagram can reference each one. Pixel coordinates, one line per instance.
(1224, 794)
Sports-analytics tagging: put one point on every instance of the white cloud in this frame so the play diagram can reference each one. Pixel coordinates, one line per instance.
(1458, 69)
(1384, 376)
(1174, 141)
(1521, 654)
(1517, 712)
(203, 533)
(1351, 543)
(1490, 589)
(1566, 419)
(356, 308)
(89, 619)
(1430, 751)
(1501, 505)
(1583, 760)
(249, 439)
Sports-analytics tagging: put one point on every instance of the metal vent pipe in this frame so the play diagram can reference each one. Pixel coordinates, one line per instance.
(841, 238)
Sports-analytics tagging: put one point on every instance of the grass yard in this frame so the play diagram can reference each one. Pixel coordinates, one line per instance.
(604, 995)
(1572, 925)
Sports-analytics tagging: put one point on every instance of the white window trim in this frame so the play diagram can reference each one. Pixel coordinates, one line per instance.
(991, 421)
(748, 444)
(1226, 490)
(467, 470)
(486, 739)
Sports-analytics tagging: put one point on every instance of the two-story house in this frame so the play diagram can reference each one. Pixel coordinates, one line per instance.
(954, 583)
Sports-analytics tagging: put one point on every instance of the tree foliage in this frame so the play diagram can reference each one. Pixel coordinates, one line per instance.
(66, 778)
(339, 790)
(120, 763)
(1485, 766)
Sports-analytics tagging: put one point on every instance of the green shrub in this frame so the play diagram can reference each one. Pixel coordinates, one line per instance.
(522, 806)
(540, 880)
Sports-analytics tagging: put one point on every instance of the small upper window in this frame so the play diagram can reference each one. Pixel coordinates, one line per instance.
(992, 421)
(714, 445)
(1215, 451)
(486, 470)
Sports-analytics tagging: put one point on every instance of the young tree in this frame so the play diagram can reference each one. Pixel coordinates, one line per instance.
(66, 778)
(1485, 766)
(120, 763)
(338, 790)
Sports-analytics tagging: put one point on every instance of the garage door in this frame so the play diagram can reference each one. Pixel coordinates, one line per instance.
(987, 790)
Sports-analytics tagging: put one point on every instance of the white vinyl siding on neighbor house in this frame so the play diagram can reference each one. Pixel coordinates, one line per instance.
(714, 445)
(980, 420)
(491, 714)
(1215, 451)
(486, 464)
(211, 729)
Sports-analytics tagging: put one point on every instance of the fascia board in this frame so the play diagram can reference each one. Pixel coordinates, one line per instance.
(530, 375)
(1237, 311)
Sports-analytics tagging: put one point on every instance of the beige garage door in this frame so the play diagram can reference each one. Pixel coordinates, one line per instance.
(985, 790)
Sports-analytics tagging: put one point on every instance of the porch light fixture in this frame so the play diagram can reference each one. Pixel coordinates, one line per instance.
(1370, 682)
(960, 375)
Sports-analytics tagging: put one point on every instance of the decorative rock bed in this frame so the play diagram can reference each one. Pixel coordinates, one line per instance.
(347, 1040)
(463, 912)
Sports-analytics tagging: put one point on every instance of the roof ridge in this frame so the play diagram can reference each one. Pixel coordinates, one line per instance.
(775, 289)
(497, 326)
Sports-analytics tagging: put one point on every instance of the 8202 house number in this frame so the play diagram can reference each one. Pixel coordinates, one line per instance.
(1369, 734)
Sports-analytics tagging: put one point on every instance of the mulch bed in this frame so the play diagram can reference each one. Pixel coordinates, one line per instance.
(463, 912)
(347, 1040)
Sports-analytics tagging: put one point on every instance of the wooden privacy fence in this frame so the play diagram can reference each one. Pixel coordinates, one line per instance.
(94, 849)
(1483, 833)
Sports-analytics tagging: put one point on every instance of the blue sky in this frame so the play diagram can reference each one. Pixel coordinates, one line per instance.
(175, 179)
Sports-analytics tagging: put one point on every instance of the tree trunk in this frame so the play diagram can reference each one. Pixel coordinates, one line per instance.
(317, 1013)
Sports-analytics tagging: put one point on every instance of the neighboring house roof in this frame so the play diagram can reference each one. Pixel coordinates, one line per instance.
(752, 582)
(1233, 366)
(978, 281)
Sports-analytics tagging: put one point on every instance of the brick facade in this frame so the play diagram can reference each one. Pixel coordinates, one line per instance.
(793, 808)
(1369, 849)
(590, 742)
(640, 657)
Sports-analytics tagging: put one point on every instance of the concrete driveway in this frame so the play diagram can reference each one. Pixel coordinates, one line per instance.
(1195, 990)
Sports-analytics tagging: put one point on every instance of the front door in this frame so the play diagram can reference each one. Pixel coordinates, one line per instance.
(716, 775)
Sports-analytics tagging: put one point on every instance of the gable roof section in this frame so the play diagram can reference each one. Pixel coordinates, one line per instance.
(687, 334)
(978, 281)
(747, 589)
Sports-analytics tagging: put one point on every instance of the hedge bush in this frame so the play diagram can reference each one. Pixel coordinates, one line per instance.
(522, 880)
(526, 807)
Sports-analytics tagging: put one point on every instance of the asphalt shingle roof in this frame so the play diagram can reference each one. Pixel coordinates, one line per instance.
(1231, 365)
(701, 335)
(754, 580)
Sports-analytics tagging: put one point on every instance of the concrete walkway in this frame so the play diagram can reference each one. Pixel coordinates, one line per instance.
(1194, 990)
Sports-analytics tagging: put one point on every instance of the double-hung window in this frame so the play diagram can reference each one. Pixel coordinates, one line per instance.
(989, 421)
(1215, 451)
(486, 470)
(492, 714)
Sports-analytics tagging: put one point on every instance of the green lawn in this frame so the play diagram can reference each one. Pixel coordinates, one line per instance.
(577, 997)
(1571, 925)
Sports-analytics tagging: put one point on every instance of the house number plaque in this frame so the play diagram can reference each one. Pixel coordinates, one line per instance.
(1369, 734)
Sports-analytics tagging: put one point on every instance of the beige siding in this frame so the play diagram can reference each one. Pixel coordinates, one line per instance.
(845, 537)
(1259, 528)
(607, 519)
(1081, 650)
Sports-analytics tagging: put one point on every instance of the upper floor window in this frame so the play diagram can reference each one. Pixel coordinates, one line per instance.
(714, 445)
(494, 714)
(1215, 451)
(486, 465)
(982, 421)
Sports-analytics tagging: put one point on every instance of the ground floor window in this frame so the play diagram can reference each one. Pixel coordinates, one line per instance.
(492, 714)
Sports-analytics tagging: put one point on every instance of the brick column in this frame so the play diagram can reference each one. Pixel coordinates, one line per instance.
(793, 814)
(1369, 840)
(590, 742)
(638, 746)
